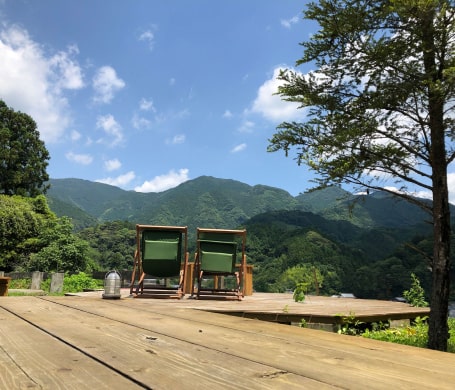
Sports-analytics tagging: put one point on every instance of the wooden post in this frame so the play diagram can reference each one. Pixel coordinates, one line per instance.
(37, 278)
(57, 282)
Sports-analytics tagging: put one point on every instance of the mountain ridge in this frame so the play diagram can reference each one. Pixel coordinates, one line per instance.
(227, 203)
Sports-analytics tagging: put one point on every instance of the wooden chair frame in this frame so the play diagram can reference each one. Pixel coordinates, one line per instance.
(240, 268)
(141, 290)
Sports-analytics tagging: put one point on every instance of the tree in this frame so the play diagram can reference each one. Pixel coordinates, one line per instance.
(379, 107)
(23, 156)
(61, 250)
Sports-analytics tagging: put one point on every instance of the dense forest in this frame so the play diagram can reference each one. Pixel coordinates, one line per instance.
(330, 239)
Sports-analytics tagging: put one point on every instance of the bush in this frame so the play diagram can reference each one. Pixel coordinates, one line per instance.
(415, 335)
(20, 283)
(79, 282)
(75, 283)
(416, 294)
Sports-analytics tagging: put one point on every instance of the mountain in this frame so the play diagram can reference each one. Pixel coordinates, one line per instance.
(209, 201)
(204, 201)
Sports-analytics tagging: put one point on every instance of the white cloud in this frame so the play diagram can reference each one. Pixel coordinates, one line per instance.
(246, 127)
(164, 182)
(148, 36)
(75, 136)
(177, 139)
(67, 72)
(111, 127)
(83, 159)
(227, 114)
(147, 105)
(238, 148)
(270, 105)
(140, 122)
(119, 181)
(34, 82)
(112, 165)
(106, 84)
(287, 23)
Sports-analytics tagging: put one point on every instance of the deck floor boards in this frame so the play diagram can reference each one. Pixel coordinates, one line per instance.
(83, 341)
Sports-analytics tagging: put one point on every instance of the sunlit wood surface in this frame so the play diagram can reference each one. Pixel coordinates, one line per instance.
(85, 342)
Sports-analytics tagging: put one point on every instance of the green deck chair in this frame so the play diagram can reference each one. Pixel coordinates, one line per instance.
(161, 254)
(218, 251)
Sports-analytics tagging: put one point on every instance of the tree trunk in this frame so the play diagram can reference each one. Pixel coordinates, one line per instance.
(438, 332)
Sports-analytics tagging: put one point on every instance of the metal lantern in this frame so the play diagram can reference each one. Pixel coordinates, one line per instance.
(112, 284)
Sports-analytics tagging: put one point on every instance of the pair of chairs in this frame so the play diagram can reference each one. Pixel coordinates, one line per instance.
(162, 253)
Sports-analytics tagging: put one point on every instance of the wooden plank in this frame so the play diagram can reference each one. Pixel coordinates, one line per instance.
(31, 358)
(330, 358)
(152, 358)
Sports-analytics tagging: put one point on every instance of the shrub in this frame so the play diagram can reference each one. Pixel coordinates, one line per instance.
(416, 294)
(79, 282)
(415, 335)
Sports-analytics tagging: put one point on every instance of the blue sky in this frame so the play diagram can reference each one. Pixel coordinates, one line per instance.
(145, 95)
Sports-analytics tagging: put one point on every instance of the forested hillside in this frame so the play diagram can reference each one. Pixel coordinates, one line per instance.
(331, 239)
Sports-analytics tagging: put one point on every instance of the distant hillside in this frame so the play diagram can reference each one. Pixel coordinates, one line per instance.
(366, 211)
(205, 201)
(209, 201)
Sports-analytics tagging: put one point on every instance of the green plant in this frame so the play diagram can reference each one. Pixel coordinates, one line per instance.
(20, 283)
(75, 283)
(79, 282)
(415, 334)
(303, 323)
(349, 325)
(416, 294)
(299, 292)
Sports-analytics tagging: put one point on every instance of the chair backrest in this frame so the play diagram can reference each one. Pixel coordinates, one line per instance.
(161, 252)
(218, 249)
(218, 256)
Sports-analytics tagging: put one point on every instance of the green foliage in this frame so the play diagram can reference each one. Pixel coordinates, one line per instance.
(75, 283)
(60, 249)
(20, 284)
(416, 294)
(299, 292)
(32, 238)
(21, 222)
(23, 156)
(112, 244)
(415, 335)
(80, 282)
(349, 325)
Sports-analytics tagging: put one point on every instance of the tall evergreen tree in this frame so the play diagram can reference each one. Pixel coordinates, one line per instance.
(380, 106)
(23, 156)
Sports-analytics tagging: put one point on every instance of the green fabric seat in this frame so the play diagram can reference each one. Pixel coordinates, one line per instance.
(214, 262)
(160, 258)
(218, 256)
(161, 253)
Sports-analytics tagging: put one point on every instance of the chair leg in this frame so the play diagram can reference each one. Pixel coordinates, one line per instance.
(199, 283)
(140, 284)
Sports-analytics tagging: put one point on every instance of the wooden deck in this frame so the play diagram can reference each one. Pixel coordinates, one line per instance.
(85, 342)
